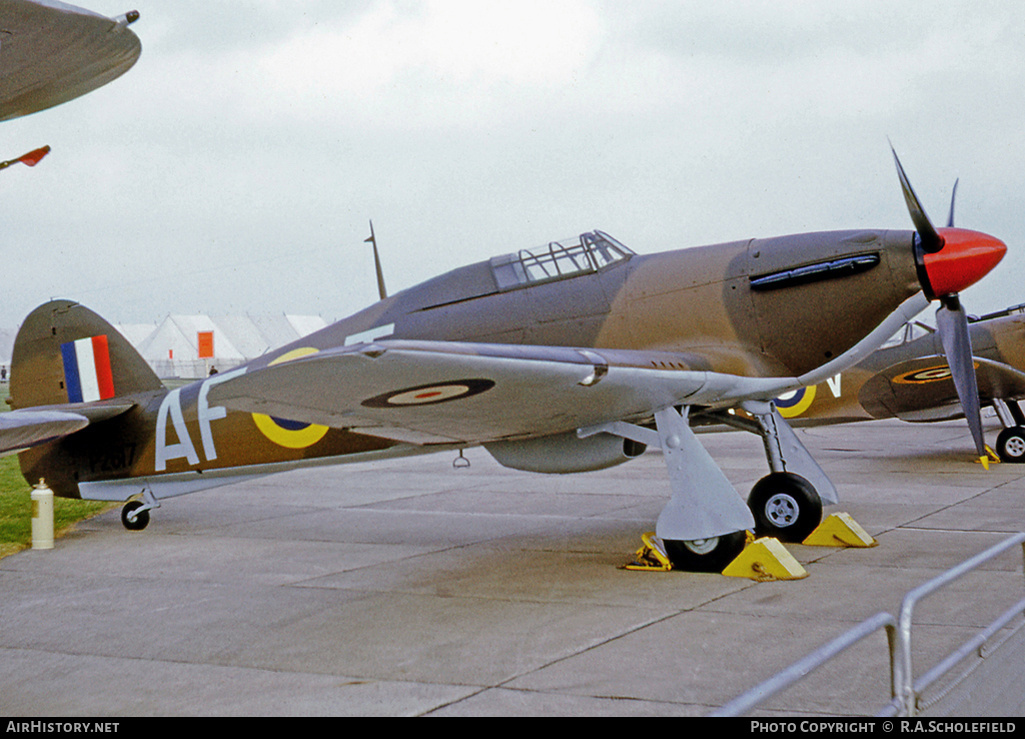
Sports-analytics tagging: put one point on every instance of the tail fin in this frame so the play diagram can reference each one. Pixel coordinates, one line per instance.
(65, 353)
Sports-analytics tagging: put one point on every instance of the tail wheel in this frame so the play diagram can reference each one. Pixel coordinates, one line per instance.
(1011, 445)
(133, 520)
(785, 506)
(705, 555)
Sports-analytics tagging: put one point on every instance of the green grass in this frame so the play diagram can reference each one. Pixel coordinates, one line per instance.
(16, 504)
(16, 509)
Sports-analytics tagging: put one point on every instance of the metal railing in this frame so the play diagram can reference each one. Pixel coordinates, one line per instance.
(965, 692)
(802, 668)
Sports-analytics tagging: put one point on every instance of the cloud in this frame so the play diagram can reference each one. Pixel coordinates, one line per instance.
(437, 63)
(253, 131)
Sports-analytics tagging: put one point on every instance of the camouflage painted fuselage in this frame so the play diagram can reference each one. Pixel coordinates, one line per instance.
(776, 307)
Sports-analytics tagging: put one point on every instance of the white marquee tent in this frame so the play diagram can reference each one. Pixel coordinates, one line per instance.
(174, 348)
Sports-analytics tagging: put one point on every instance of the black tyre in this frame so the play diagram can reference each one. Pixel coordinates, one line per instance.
(1011, 445)
(140, 519)
(785, 506)
(705, 555)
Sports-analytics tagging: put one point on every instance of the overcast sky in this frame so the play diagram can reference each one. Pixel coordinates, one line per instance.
(236, 166)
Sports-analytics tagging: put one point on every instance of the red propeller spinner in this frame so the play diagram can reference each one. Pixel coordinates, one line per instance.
(965, 258)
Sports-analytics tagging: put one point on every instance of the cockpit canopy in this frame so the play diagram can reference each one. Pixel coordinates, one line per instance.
(910, 331)
(590, 252)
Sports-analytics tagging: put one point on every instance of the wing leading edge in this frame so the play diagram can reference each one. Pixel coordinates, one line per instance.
(446, 392)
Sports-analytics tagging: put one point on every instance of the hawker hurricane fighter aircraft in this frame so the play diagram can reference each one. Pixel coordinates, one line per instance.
(570, 357)
(52, 52)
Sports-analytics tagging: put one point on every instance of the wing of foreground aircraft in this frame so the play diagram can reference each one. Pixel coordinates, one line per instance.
(52, 52)
(523, 391)
(570, 357)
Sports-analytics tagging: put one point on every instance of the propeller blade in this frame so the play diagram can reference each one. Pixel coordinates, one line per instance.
(952, 322)
(931, 241)
(953, 197)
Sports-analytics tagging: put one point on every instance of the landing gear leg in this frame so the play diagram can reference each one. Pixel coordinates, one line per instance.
(786, 503)
(1016, 413)
(704, 525)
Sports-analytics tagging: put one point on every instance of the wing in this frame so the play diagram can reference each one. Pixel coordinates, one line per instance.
(51, 52)
(22, 429)
(922, 389)
(445, 392)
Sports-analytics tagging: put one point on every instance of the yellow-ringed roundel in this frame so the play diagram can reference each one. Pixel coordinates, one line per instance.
(939, 373)
(793, 404)
(291, 434)
(441, 392)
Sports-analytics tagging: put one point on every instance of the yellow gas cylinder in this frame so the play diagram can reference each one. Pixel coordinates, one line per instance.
(42, 516)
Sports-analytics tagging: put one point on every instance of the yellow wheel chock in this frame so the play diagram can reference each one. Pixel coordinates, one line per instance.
(839, 530)
(651, 557)
(991, 457)
(765, 560)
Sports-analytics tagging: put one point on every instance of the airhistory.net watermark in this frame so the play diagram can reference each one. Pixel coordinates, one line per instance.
(62, 727)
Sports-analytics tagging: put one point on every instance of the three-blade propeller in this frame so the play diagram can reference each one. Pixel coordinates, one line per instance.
(951, 319)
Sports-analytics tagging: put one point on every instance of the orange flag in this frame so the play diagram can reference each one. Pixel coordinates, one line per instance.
(31, 159)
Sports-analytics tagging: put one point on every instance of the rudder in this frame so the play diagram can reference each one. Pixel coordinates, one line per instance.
(65, 353)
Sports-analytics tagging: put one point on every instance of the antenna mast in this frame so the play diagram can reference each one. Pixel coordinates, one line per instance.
(377, 263)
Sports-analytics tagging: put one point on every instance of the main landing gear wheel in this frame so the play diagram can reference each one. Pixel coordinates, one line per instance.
(785, 506)
(134, 521)
(705, 555)
(1011, 445)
